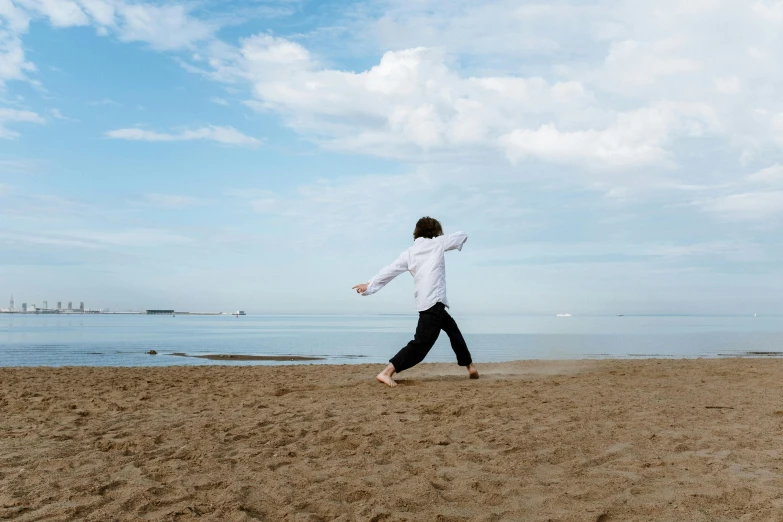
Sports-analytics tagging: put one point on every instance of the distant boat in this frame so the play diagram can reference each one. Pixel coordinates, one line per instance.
(239, 312)
(620, 315)
(563, 315)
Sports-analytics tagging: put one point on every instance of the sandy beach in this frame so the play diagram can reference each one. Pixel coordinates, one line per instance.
(696, 440)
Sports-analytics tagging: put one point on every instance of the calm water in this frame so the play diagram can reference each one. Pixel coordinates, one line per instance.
(121, 340)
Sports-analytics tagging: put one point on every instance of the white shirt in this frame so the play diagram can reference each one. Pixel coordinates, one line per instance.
(425, 260)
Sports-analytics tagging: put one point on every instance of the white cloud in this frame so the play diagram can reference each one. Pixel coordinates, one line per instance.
(771, 175)
(13, 64)
(635, 138)
(413, 104)
(729, 250)
(757, 206)
(16, 116)
(170, 201)
(219, 101)
(165, 28)
(140, 237)
(15, 20)
(43, 239)
(101, 11)
(757, 198)
(504, 27)
(620, 87)
(143, 237)
(58, 115)
(642, 65)
(597, 88)
(104, 101)
(728, 85)
(225, 135)
(604, 62)
(608, 148)
(61, 13)
(592, 85)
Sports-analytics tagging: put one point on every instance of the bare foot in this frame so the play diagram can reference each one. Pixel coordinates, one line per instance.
(473, 371)
(386, 379)
(386, 376)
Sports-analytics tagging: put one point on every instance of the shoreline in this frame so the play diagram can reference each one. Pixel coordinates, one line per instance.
(331, 361)
(651, 439)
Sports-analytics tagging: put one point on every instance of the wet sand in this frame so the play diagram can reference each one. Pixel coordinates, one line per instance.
(696, 440)
(239, 357)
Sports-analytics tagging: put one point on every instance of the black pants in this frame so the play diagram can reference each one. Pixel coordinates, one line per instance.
(431, 322)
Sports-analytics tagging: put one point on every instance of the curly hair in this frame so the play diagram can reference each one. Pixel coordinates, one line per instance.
(427, 227)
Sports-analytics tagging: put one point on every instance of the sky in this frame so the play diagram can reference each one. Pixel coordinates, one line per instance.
(603, 156)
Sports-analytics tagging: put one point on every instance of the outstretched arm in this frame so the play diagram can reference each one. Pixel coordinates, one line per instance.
(454, 241)
(399, 266)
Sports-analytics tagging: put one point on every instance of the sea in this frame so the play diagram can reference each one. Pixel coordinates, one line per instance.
(125, 340)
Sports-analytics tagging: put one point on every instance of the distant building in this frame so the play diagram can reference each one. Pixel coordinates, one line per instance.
(24, 307)
(12, 303)
(160, 312)
(59, 305)
(70, 306)
(46, 305)
(81, 306)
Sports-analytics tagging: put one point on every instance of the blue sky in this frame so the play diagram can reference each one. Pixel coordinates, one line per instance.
(604, 157)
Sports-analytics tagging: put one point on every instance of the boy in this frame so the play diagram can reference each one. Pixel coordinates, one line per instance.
(425, 261)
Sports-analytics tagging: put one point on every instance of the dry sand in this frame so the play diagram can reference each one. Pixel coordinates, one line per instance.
(687, 440)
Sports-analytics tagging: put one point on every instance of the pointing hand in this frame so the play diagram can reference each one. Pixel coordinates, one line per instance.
(360, 289)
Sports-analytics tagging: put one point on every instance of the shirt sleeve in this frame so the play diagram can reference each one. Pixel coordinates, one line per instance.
(454, 241)
(380, 280)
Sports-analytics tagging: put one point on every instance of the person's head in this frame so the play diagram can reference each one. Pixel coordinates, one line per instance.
(427, 227)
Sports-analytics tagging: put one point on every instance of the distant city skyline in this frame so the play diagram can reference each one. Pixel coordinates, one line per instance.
(45, 305)
(603, 157)
(34, 309)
